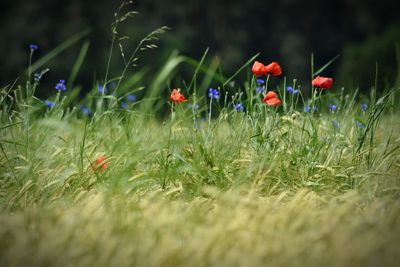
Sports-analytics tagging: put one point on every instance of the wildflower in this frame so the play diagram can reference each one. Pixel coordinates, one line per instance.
(131, 98)
(271, 99)
(309, 109)
(124, 105)
(332, 107)
(260, 81)
(258, 69)
(85, 110)
(360, 125)
(335, 124)
(270, 95)
(290, 90)
(364, 107)
(322, 82)
(273, 68)
(100, 164)
(273, 102)
(238, 107)
(213, 93)
(177, 97)
(49, 104)
(60, 86)
(260, 89)
(101, 89)
(33, 47)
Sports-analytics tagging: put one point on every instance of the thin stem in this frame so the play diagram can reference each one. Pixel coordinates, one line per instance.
(30, 67)
(128, 64)
(109, 60)
(266, 83)
(26, 109)
(209, 115)
(251, 95)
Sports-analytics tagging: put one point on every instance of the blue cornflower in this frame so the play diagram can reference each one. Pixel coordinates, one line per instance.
(60, 86)
(131, 98)
(239, 107)
(360, 125)
(85, 110)
(290, 90)
(33, 47)
(364, 107)
(124, 105)
(213, 93)
(309, 109)
(332, 107)
(260, 81)
(49, 104)
(101, 89)
(336, 124)
(260, 89)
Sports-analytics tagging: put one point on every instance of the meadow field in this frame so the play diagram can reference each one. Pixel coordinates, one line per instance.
(222, 172)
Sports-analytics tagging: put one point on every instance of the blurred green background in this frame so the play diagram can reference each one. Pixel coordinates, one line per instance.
(363, 33)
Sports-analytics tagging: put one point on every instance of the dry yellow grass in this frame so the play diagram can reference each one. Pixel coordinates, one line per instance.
(235, 228)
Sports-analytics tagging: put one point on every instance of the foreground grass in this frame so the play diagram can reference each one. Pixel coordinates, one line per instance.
(236, 228)
(279, 190)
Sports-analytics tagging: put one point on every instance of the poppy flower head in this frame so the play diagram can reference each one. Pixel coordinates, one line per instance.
(276, 102)
(322, 82)
(177, 97)
(271, 99)
(273, 68)
(258, 69)
(101, 163)
(270, 95)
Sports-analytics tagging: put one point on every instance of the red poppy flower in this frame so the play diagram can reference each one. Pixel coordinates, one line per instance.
(258, 68)
(100, 164)
(322, 82)
(273, 68)
(177, 97)
(270, 95)
(273, 102)
(271, 99)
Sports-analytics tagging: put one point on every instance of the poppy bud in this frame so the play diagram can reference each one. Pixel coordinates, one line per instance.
(100, 164)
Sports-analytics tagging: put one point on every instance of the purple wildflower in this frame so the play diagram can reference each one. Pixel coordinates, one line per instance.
(60, 86)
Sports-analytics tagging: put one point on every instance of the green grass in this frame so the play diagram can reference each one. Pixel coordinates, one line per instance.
(197, 187)
(280, 189)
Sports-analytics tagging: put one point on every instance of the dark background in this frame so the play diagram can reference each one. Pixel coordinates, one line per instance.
(288, 31)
